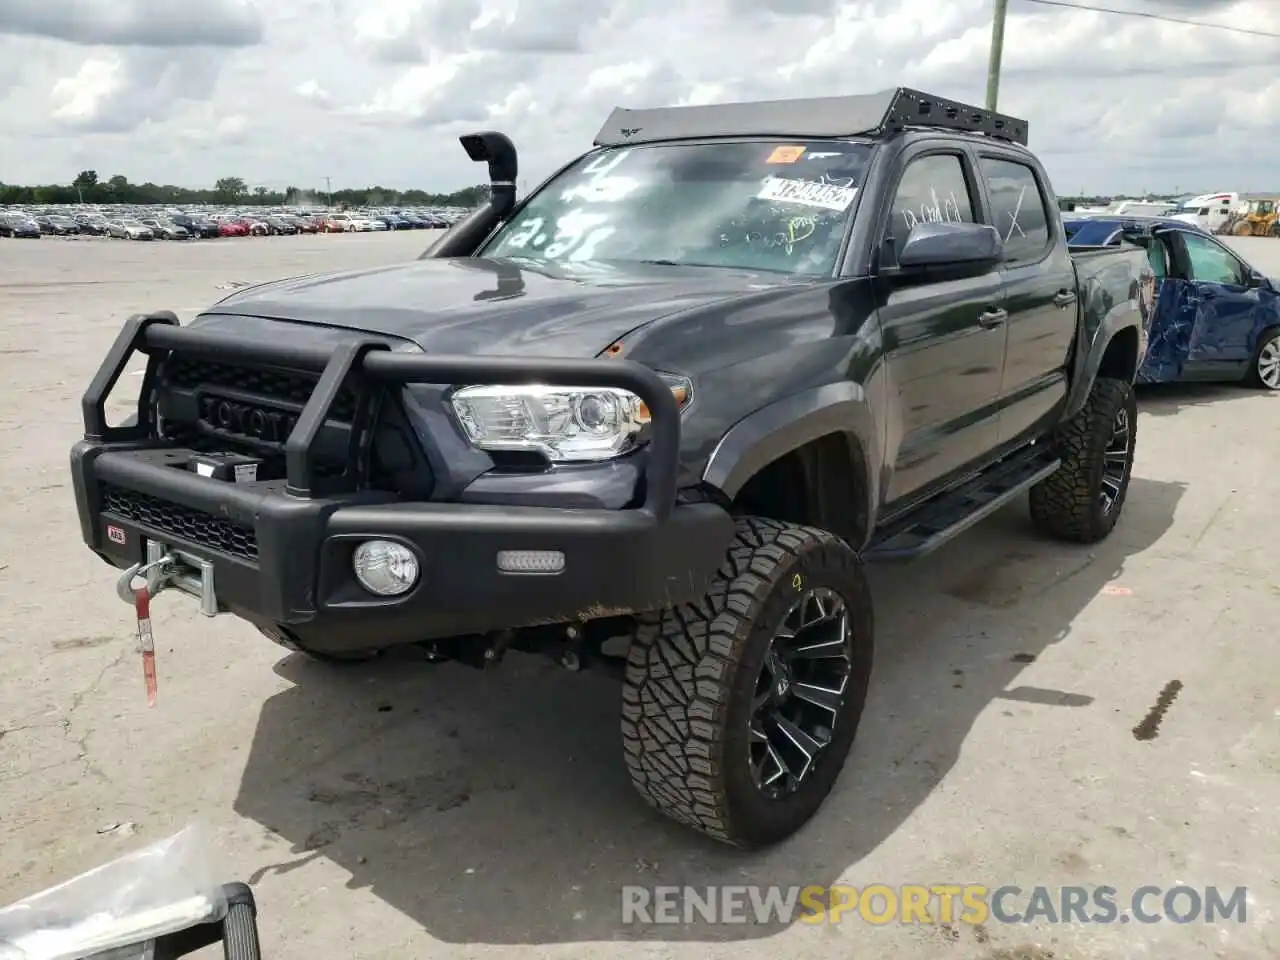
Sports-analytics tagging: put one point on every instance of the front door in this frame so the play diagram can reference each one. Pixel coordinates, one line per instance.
(943, 353)
(1222, 336)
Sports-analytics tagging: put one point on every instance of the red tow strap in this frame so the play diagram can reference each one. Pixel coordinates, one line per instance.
(146, 641)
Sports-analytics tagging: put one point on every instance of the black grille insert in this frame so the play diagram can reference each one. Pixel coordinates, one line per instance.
(181, 523)
(294, 386)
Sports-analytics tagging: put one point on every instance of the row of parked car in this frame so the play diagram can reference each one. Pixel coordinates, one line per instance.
(171, 225)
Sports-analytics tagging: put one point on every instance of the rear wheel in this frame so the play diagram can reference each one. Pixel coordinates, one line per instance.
(1082, 501)
(1264, 368)
(740, 709)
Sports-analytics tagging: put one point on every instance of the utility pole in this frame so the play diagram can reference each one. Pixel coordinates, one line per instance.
(1001, 8)
(328, 183)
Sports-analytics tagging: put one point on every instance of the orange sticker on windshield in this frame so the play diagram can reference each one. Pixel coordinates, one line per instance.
(785, 155)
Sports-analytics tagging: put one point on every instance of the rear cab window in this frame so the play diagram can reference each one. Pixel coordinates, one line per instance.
(1018, 208)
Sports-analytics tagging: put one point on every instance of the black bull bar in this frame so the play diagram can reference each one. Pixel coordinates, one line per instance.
(367, 365)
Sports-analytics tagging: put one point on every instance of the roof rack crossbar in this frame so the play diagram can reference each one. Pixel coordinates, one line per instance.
(869, 115)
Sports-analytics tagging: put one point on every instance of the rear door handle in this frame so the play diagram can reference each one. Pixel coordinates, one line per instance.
(1064, 298)
(993, 318)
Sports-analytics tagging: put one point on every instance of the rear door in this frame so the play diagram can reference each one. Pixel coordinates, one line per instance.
(1226, 309)
(1040, 295)
(942, 348)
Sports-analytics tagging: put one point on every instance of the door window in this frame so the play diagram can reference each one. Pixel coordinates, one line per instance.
(933, 189)
(1211, 262)
(1017, 208)
(1158, 254)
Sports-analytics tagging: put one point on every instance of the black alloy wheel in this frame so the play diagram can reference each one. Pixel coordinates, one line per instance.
(800, 691)
(1117, 461)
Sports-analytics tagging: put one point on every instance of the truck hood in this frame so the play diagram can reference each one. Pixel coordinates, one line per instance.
(498, 307)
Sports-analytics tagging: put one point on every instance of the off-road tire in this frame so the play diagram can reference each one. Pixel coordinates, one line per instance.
(1067, 504)
(691, 674)
(1253, 378)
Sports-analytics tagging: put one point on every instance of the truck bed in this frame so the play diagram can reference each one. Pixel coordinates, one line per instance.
(1112, 278)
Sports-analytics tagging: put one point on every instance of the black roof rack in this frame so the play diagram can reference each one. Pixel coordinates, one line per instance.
(873, 114)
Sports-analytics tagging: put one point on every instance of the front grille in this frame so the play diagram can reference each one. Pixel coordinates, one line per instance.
(293, 386)
(181, 523)
(395, 461)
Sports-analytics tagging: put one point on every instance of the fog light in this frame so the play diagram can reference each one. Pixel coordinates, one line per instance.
(385, 568)
(530, 561)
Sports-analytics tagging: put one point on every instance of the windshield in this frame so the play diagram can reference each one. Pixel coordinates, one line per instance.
(759, 205)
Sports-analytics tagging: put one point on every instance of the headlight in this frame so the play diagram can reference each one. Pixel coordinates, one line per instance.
(565, 424)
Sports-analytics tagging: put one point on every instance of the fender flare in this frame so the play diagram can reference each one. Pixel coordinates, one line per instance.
(1119, 319)
(788, 424)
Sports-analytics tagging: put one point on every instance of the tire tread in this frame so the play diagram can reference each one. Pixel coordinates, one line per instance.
(1064, 505)
(681, 669)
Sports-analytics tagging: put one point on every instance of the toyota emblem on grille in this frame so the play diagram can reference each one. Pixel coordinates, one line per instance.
(253, 421)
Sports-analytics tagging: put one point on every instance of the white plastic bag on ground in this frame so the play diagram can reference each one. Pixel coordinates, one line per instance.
(113, 911)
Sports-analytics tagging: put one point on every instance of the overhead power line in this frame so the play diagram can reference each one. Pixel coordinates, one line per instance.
(1000, 14)
(1146, 15)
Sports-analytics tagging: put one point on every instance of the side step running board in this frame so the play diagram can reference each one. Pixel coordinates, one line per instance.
(951, 513)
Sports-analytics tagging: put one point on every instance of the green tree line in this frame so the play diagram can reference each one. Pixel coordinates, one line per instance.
(88, 187)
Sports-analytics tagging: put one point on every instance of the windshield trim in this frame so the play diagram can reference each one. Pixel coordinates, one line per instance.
(482, 249)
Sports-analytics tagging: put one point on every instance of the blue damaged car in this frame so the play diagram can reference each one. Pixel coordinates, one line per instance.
(1217, 318)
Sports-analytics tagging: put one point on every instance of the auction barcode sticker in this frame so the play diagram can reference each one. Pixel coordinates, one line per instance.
(807, 193)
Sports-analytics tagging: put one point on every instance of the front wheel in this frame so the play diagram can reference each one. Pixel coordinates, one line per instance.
(739, 710)
(1082, 500)
(1264, 368)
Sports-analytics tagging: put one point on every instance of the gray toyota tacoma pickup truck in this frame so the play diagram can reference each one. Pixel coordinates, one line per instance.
(657, 415)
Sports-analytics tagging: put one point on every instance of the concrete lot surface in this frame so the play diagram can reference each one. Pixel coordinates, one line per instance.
(404, 810)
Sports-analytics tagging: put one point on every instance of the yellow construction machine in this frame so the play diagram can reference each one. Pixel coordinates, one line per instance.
(1260, 220)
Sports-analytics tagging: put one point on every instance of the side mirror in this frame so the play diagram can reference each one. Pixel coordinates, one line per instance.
(1257, 279)
(971, 247)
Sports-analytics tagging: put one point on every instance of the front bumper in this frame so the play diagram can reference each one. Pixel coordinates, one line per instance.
(279, 551)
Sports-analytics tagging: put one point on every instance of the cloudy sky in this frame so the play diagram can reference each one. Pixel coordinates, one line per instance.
(376, 91)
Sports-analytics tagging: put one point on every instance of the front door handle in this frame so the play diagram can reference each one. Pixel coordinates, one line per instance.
(993, 317)
(1064, 298)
